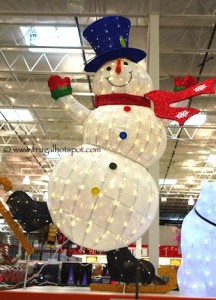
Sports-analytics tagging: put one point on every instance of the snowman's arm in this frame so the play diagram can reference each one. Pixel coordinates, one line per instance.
(74, 108)
(61, 90)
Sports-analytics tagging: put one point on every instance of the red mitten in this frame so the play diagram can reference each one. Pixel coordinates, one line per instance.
(59, 87)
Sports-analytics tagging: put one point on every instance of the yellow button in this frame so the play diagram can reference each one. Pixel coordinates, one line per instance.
(95, 191)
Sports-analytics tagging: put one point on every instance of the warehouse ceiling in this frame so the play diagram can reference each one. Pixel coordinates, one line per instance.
(29, 141)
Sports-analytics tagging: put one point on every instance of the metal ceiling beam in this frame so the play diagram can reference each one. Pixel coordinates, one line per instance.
(68, 24)
(29, 73)
(189, 16)
(193, 51)
(64, 15)
(9, 47)
(92, 15)
(23, 48)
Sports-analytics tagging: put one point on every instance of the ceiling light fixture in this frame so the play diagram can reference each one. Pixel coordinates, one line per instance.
(190, 179)
(26, 180)
(75, 6)
(163, 199)
(15, 115)
(196, 120)
(52, 38)
(45, 198)
(191, 201)
(212, 159)
(167, 181)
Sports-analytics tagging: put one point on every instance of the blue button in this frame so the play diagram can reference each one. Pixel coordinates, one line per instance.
(123, 135)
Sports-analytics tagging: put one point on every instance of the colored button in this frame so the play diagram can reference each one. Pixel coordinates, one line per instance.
(123, 135)
(95, 191)
(113, 166)
(127, 108)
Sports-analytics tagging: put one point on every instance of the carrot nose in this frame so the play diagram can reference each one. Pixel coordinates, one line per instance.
(118, 68)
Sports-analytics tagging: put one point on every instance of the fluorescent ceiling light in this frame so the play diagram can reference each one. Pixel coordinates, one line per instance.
(163, 199)
(167, 181)
(212, 159)
(191, 201)
(189, 163)
(195, 120)
(190, 179)
(50, 36)
(45, 198)
(39, 182)
(45, 178)
(26, 180)
(15, 114)
(56, 155)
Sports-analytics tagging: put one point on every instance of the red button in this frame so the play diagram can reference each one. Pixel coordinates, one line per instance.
(127, 108)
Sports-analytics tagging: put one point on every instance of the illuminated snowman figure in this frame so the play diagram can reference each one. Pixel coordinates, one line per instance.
(102, 197)
(197, 274)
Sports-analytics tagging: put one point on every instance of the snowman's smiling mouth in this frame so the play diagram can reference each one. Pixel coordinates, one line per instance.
(120, 85)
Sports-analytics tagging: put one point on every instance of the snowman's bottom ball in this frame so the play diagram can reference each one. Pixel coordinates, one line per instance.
(100, 199)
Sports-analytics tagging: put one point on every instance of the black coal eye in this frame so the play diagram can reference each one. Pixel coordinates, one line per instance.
(126, 63)
(108, 68)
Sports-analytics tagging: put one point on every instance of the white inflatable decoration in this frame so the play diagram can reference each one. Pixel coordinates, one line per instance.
(102, 196)
(197, 274)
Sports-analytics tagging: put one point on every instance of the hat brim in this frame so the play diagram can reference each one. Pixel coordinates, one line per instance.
(133, 54)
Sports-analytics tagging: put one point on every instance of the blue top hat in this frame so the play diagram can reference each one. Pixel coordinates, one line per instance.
(109, 38)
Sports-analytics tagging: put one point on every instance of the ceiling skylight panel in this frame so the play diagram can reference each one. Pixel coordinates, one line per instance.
(50, 36)
(15, 115)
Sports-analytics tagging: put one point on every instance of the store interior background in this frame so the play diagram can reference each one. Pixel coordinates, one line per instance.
(40, 38)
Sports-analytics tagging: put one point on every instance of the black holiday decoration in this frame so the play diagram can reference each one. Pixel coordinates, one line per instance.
(123, 266)
(32, 215)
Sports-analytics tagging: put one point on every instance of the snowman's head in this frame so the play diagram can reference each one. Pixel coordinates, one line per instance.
(121, 76)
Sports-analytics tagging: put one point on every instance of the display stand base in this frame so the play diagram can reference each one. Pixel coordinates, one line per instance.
(56, 293)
